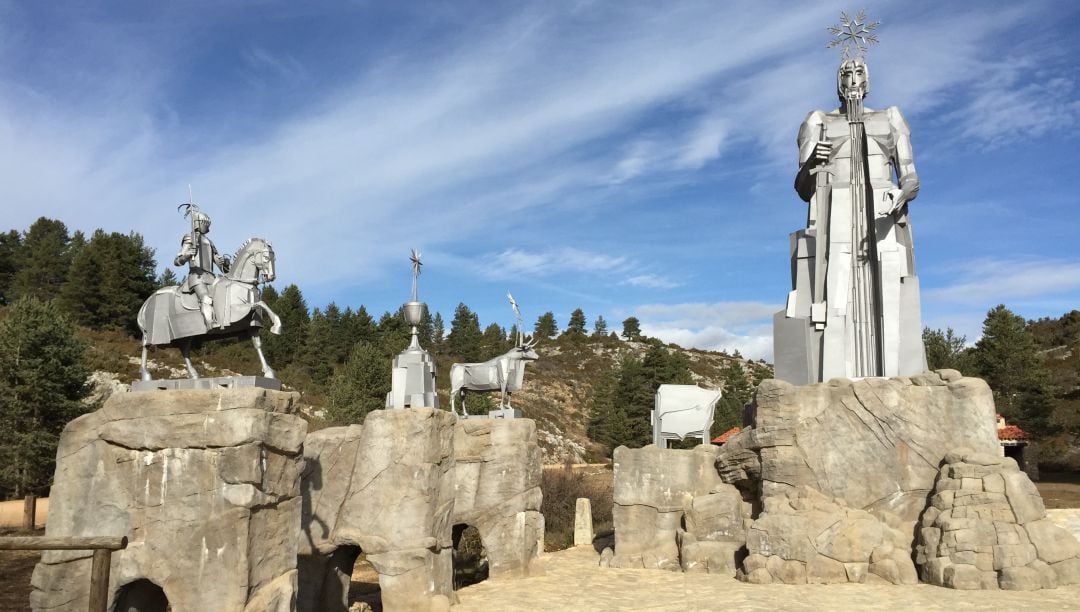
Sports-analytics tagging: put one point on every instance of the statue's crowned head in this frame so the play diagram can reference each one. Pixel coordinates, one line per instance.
(201, 221)
(853, 80)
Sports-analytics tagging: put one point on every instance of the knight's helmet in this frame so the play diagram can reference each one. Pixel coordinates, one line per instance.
(862, 88)
(200, 220)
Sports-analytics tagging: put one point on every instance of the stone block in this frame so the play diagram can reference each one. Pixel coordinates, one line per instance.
(1019, 579)
(964, 577)
(1052, 543)
(1067, 571)
(823, 570)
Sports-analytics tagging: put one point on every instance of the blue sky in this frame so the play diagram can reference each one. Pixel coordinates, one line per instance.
(613, 156)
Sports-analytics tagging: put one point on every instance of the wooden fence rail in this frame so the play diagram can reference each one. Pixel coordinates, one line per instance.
(103, 548)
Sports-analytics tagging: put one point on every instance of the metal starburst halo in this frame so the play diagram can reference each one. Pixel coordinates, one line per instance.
(853, 34)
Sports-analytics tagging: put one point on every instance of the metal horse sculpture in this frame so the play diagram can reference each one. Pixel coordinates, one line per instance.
(170, 317)
(504, 373)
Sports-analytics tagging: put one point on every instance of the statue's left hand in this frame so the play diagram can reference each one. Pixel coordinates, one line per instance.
(898, 197)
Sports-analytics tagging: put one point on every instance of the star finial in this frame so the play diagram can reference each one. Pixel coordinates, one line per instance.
(416, 263)
(853, 35)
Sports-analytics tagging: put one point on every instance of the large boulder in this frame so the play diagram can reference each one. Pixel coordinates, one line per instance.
(204, 484)
(672, 511)
(986, 528)
(875, 444)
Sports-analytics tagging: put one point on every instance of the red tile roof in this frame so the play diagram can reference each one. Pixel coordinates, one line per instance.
(1012, 432)
(727, 435)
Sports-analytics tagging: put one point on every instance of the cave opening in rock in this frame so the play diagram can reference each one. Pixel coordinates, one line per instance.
(470, 558)
(141, 596)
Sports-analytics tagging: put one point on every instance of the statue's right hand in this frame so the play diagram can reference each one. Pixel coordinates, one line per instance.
(822, 149)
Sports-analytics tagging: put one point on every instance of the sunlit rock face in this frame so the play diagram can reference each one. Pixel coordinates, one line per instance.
(205, 484)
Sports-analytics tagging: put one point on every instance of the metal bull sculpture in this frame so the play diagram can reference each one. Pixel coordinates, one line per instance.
(171, 317)
(504, 373)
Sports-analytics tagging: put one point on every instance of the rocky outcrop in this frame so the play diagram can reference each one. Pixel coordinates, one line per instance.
(807, 537)
(205, 485)
(385, 489)
(394, 488)
(874, 444)
(673, 512)
(497, 470)
(986, 528)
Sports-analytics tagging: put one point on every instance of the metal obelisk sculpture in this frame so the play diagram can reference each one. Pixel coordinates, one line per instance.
(853, 310)
(413, 376)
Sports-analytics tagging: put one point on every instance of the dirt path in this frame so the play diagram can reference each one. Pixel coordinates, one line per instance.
(574, 581)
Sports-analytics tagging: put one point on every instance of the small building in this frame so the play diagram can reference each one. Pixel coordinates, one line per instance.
(1015, 442)
(727, 435)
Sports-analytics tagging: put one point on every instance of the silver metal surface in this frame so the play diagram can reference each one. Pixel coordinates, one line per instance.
(206, 306)
(412, 379)
(853, 310)
(505, 373)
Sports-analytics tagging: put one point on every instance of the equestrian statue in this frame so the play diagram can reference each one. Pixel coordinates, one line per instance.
(207, 306)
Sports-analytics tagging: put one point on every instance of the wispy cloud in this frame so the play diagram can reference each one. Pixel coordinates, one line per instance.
(742, 326)
(993, 280)
(650, 281)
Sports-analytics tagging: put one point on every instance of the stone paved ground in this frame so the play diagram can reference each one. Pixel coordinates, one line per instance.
(573, 582)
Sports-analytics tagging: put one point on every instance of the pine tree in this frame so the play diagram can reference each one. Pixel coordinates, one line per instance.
(109, 279)
(394, 334)
(1007, 358)
(360, 386)
(465, 340)
(10, 252)
(425, 332)
(607, 422)
(168, 279)
(44, 260)
(600, 327)
(576, 326)
(946, 350)
(43, 376)
(438, 331)
(363, 328)
(292, 309)
(631, 329)
(317, 356)
(546, 327)
(493, 341)
(735, 395)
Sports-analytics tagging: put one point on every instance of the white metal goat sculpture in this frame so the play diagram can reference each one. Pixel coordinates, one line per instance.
(504, 373)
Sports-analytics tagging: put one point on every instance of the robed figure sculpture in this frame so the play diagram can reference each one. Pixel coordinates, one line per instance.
(853, 310)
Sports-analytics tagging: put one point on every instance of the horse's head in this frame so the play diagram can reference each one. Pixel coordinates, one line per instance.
(254, 262)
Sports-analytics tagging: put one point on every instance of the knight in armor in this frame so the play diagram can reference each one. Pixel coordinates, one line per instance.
(200, 254)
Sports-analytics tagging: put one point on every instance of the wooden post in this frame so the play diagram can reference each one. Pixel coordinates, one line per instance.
(99, 580)
(29, 511)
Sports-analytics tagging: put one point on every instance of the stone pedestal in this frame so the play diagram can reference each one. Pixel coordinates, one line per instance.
(497, 471)
(583, 527)
(396, 486)
(205, 485)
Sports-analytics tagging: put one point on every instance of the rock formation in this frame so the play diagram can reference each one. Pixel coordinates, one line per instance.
(205, 485)
(807, 537)
(986, 527)
(385, 489)
(497, 470)
(394, 487)
(673, 512)
(875, 444)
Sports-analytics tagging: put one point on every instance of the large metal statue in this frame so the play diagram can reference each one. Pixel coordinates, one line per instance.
(207, 306)
(505, 373)
(854, 306)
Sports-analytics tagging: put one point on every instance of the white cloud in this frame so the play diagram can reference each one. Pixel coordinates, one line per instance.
(650, 281)
(730, 326)
(992, 281)
(515, 262)
(704, 144)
